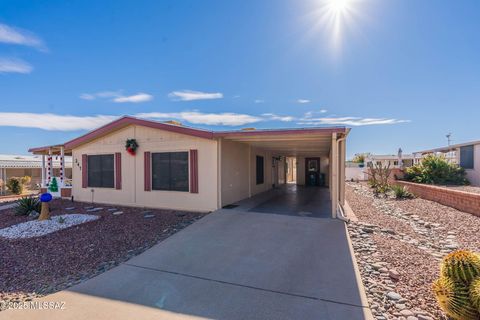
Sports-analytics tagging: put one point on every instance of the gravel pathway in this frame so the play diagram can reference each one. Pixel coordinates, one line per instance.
(399, 244)
(38, 266)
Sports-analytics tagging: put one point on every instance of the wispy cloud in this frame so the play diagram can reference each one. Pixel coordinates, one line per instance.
(195, 117)
(259, 101)
(17, 36)
(101, 94)
(136, 98)
(189, 95)
(303, 101)
(349, 121)
(117, 96)
(53, 122)
(56, 122)
(275, 117)
(14, 66)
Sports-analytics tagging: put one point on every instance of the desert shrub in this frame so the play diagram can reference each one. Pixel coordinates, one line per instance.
(378, 178)
(435, 169)
(14, 185)
(26, 205)
(25, 180)
(400, 192)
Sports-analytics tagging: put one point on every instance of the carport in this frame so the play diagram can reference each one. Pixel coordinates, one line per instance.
(256, 165)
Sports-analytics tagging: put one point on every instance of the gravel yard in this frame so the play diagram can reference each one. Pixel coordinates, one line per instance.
(34, 267)
(399, 244)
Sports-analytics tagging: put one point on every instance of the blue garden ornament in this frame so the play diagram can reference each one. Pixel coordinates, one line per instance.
(46, 197)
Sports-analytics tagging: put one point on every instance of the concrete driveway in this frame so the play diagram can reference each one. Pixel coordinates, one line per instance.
(229, 265)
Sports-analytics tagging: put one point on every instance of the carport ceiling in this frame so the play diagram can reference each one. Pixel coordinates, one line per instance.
(288, 145)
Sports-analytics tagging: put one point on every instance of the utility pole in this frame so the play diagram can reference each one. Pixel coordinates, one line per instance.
(449, 135)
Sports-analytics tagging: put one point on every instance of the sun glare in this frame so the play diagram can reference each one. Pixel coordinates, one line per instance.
(339, 6)
(333, 17)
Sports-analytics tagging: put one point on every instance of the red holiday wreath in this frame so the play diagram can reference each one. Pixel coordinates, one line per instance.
(131, 146)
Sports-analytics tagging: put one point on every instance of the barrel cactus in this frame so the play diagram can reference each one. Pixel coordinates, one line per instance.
(462, 266)
(458, 288)
(453, 298)
(475, 293)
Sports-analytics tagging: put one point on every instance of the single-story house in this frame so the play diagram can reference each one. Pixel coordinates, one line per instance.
(389, 160)
(168, 165)
(31, 166)
(466, 155)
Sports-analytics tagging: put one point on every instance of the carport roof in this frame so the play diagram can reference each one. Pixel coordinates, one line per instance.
(236, 135)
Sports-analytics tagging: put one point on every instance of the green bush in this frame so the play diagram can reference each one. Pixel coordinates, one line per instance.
(26, 205)
(434, 169)
(14, 185)
(400, 192)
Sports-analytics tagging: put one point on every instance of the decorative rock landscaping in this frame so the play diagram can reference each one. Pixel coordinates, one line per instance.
(34, 267)
(398, 245)
(36, 228)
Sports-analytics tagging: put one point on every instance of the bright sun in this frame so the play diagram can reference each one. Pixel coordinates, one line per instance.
(333, 17)
(339, 6)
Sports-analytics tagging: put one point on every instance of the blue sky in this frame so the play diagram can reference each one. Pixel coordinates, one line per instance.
(401, 73)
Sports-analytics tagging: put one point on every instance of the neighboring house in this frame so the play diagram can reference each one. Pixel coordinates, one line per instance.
(466, 155)
(21, 166)
(389, 160)
(358, 171)
(183, 168)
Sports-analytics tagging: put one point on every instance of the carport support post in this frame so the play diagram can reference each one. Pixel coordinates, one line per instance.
(334, 173)
(341, 178)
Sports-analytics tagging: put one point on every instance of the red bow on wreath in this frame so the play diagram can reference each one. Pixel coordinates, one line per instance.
(131, 146)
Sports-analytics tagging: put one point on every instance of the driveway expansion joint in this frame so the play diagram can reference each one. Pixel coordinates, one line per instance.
(247, 286)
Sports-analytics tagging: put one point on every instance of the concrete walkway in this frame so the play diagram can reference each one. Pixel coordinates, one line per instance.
(229, 265)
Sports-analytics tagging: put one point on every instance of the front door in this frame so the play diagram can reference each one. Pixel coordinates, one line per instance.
(312, 172)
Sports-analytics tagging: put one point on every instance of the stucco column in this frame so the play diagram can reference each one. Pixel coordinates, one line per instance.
(334, 172)
(42, 184)
(341, 176)
(219, 173)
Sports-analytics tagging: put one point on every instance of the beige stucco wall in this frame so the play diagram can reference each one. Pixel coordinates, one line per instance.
(324, 167)
(237, 183)
(132, 192)
(234, 177)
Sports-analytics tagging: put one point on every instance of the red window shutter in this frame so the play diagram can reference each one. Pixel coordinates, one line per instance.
(193, 171)
(84, 171)
(118, 170)
(147, 171)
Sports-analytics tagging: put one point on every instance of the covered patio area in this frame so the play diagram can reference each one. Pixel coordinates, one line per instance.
(290, 200)
(296, 172)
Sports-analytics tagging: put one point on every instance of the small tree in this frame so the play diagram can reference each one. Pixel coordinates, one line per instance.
(53, 187)
(359, 158)
(14, 185)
